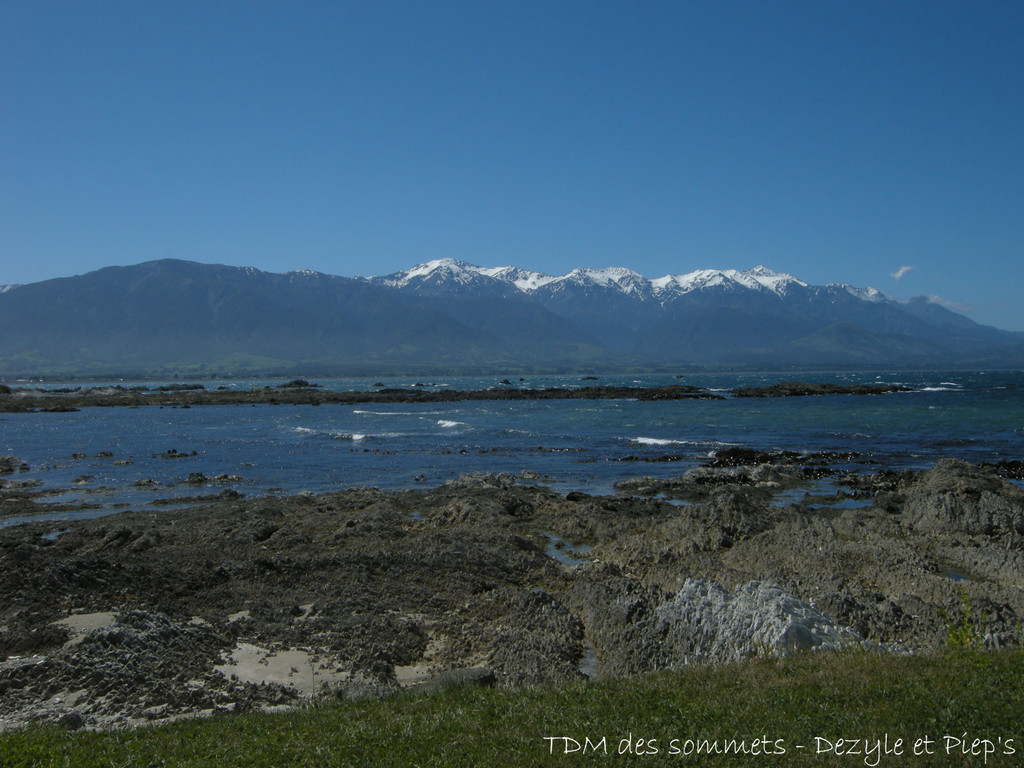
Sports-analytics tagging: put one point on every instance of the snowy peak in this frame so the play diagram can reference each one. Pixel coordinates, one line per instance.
(458, 272)
(439, 277)
(523, 279)
(759, 278)
(620, 278)
(432, 271)
(776, 282)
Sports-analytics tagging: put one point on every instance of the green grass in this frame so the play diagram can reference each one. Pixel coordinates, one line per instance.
(851, 695)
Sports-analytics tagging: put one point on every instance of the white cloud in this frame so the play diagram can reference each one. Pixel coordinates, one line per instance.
(900, 272)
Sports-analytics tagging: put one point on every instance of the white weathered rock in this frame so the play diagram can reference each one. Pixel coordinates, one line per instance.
(704, 622)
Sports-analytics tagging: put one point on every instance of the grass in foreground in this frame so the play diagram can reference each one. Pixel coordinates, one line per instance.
(952, 709)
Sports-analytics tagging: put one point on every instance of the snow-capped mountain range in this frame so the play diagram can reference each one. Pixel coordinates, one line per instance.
(716, 316)
(459, 274)
(449, 316)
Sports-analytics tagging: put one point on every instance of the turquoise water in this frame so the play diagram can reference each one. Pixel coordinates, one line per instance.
(572, 445)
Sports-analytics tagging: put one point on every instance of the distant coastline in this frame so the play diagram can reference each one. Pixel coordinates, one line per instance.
(22, 400)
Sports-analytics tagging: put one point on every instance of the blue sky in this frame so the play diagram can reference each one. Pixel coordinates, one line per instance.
(878, 144)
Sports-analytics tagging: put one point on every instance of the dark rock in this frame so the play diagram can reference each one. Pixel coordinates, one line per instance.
(956, 497)
(71, 721)
(1012, 469)
(540, 642)
(803, 389)
(457, 678)
(298, 384)
(8, 464)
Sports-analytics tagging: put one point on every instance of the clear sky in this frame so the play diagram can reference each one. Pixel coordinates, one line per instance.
(875, 143)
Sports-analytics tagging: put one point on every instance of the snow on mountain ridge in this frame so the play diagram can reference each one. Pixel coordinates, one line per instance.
(460, 272)
(448, 265)
(864, 294)
(304, 274)
(622, 279)
(525, 280)
(777, 282)
(758, 278)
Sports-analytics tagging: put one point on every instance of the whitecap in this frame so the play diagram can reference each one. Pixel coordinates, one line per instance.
(329, 434)
(665, 441)
(396, 413)
(354, 436)
(446, 424)
(657, 441)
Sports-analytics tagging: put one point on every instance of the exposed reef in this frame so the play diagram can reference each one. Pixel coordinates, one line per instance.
(301, 392)
(144, 616)
(803, 389)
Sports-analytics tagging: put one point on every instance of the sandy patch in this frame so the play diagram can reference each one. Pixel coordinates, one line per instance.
(293, 667)
(81, 624)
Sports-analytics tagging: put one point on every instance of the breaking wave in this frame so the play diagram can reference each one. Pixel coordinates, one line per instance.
(354, 436)
(694, 443)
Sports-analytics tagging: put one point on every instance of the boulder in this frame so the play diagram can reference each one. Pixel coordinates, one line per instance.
(704, 623)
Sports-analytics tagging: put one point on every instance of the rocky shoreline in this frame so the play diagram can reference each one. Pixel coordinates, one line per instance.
(300, 392)
(144, 616)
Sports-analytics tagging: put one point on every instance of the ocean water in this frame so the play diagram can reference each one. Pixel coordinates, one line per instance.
(583, 445)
